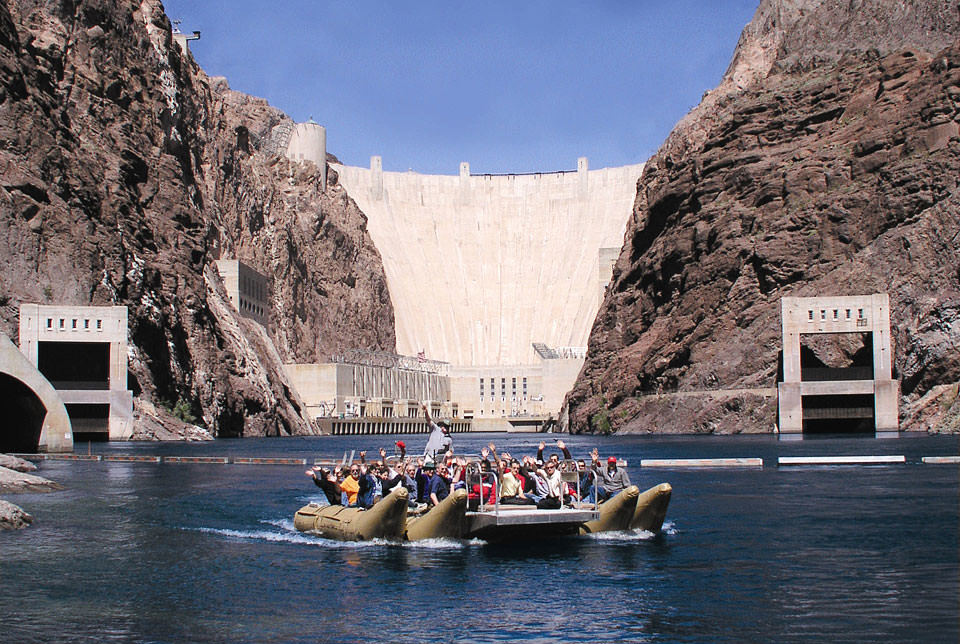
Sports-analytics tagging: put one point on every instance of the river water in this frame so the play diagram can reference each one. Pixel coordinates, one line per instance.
(143, 552)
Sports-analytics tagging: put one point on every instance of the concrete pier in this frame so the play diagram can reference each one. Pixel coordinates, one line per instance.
(367, 425)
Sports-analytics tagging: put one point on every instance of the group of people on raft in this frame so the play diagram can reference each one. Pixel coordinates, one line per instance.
(430, 478)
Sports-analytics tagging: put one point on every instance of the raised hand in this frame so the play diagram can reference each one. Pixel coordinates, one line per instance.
(561, 444)
(542, 445)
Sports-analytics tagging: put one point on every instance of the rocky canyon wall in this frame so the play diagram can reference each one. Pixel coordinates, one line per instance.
(125, 171)
(826, 163)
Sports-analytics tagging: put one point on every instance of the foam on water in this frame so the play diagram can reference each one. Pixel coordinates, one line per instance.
(293, 536)
(289, 534)
(434, 544)
(623, 535)
(443, 544)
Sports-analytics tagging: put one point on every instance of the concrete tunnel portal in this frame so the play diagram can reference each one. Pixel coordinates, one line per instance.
(23, 416)
(34, 418)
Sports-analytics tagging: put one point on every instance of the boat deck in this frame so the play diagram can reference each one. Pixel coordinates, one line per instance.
(524, 522)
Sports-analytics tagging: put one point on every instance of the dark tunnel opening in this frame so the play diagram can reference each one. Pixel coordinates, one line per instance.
(838, 414)
(91, 422)
(75, 365)
(22, 418)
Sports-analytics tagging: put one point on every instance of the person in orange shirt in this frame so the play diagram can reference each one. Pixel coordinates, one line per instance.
(351, 485)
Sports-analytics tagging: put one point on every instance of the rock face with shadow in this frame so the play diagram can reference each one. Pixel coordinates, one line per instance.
(826, 163)
(125, 172)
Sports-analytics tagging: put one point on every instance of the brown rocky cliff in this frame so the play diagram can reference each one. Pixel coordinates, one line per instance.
(826, 174)
(330, 290)
(124, 172)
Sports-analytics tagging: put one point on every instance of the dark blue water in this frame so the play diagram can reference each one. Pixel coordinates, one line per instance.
(206, 553)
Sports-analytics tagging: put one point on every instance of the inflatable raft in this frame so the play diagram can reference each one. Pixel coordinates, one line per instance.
(629, 510)
(385, 520)
(615, 514)
(651, 508)
(445, 520)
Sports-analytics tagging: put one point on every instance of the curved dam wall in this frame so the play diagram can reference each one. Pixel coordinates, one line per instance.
(480, 267)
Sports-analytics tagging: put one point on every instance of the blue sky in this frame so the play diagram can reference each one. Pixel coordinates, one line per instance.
(519, 86)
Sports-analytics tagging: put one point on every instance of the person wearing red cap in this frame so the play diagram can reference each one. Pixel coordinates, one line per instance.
(610, 480)
(402, 449)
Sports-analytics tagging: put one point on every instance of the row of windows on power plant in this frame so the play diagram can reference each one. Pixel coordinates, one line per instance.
(250, 308)
(503, 388)
(73, 324)
(861, 320)
(254, 288)
(363, 410)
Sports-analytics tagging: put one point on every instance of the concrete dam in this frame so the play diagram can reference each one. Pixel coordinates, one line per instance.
(500, 276)
(480, 267)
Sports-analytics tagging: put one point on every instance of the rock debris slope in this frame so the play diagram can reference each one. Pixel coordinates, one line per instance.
(826, 162)
(125, 171)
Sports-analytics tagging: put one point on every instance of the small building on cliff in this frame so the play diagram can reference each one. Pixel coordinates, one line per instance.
(248, 289)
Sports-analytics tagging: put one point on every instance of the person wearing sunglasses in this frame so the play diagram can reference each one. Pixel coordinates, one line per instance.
(351, 485)
(550, 474)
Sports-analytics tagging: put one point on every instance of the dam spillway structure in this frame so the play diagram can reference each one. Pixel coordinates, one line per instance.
(501, 276)
(811, 394)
